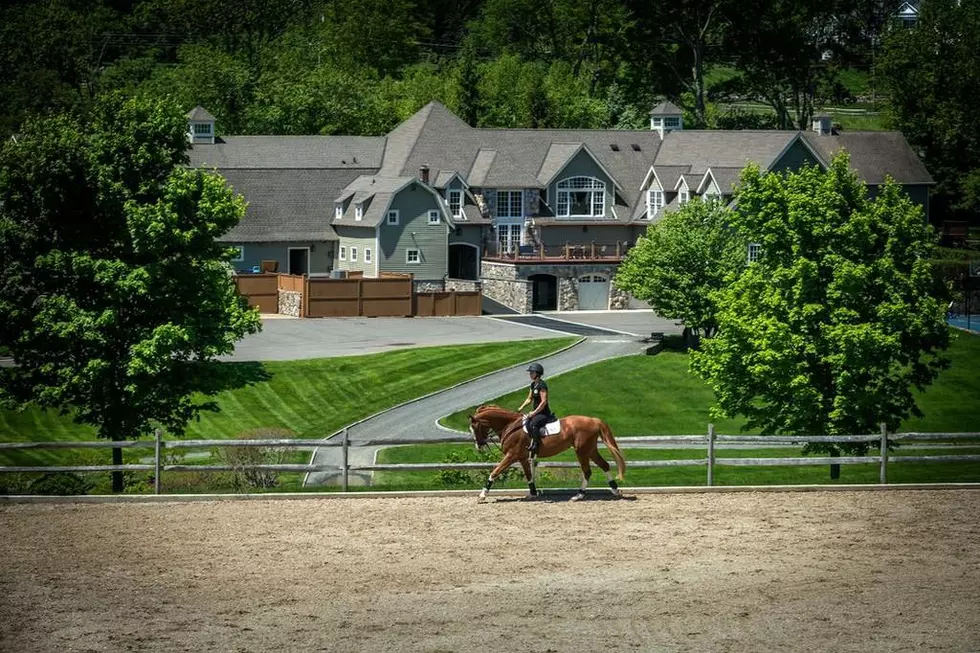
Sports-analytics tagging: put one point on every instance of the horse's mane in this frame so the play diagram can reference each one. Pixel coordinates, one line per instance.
(487, 408)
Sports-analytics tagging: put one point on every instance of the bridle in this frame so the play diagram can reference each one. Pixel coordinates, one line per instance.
(489, 434)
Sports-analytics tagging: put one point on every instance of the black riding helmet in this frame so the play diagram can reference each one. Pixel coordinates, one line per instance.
(536, 368)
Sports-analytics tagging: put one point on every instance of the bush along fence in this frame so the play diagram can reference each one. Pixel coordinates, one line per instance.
(710, 460)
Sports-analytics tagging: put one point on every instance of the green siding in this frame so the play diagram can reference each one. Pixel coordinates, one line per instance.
(414, 232)
(581, 165)
(468, 233)
(362, 239)
(322, 255)
(795, 158)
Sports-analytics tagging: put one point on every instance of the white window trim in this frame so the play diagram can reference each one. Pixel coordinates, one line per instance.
(358, 211)
(684, 196)
(392, 213)
(343, 252)
(449, 202)
(367, 254)
(338, 211)
(509, 216)
(654, 207)
(353, 255)
(434, 212)
(755, 249)
(418, 256)
(202, 129)
(598, 186)
(241, 253)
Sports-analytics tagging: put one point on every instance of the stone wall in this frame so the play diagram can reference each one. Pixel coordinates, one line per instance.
(506, 283)
(429, 286)
(290, 303)
(463, 285)
(516, 294)
(618, 299)
(567, 293)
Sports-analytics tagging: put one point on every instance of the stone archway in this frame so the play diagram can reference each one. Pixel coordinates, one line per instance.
(544, 292)
(464, 261)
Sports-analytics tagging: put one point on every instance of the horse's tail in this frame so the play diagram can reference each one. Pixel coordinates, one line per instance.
(607, 438)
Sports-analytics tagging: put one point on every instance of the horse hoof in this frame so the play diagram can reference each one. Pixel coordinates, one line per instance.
(481, 499)
(617, 493)
(579, 496)
(530, 497)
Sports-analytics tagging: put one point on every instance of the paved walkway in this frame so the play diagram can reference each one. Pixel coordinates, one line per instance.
(417, 420)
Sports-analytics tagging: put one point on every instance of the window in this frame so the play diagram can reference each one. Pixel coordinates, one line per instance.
(684, 196)
(755, 249)
(455, 198)
(358, 211)
(508, 237)
(510, 204)
(239, 253)
(433, 217)
(353, 254)
(655, 202)
(343, 252)
(338, 211)
(672, 122)
(202, 128)
(367, 254)
(581, 197)
(413, 257)
(392, 217)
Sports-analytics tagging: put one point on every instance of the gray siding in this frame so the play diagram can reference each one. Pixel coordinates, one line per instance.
(362, 239)
(601, 235)
(918, 193)
(468, 233)
(414, 232)
(322, 255)
(795, 158)
(581, 165)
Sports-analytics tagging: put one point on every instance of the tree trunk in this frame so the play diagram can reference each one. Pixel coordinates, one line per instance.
(700, 113)
(117, 477)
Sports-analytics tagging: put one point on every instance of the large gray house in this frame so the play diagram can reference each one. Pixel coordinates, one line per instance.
(541, 216)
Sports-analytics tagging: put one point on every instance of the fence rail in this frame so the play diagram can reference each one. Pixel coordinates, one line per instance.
(710, 460)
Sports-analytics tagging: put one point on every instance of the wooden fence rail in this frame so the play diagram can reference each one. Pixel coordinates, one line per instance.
(709, 460)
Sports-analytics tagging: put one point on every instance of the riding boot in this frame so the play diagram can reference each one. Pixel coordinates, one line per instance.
(535, 443)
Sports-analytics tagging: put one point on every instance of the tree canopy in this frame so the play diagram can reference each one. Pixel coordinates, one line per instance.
(115, 295)
(839, 319)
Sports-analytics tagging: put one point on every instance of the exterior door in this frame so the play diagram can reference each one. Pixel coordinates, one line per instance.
(509, 237)
(593, 293)
(299, 261)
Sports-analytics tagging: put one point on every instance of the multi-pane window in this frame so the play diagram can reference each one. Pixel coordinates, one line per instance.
(343, 252)
(510, 204)
(455, 198)
(413, 257)
(581, 197)
(433, 217)
(202, 128)
(672, 122)
(684, 196)
(239, 254)
(655, 202)
(393, 216)
(358, 211)
(338, 211)
(367, 254)
(755, 249)
(509, 237)
(353, 254)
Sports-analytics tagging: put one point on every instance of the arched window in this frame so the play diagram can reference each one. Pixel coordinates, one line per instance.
(581, 197)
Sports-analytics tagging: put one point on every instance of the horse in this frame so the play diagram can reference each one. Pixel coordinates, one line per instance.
(577, 431)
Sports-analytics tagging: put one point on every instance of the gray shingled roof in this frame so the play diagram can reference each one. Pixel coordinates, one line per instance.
(345, 152)
(376, 192)
(726, 178)
(558, 156)
(481, 167)
(703, 149)
(874, 155)
(200, 114)
(297, 206)
(668, 175)
(666, 108)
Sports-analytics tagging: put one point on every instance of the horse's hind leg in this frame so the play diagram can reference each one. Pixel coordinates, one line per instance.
(604, 466)
(583, 461)
(532, 490)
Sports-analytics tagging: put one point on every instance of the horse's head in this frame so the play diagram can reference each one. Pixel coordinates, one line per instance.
(481, 432)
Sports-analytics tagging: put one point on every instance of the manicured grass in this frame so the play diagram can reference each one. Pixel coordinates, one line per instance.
(657, 395)
(311, 398)
(851, 122)
(676, 476)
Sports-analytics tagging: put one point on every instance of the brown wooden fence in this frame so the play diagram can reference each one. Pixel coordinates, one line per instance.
(443, 304)
(389, 296)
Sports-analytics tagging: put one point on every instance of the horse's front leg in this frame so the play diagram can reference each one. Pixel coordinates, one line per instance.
(494, 475)
(532, 490)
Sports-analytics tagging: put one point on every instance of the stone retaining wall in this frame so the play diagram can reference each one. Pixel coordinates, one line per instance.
(290, 303)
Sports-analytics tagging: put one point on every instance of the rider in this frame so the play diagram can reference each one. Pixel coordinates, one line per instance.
(537, 396)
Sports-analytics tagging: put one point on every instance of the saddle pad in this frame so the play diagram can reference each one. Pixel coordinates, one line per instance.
(553, 428)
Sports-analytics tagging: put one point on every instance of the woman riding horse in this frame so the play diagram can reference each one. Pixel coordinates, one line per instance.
(578, 432)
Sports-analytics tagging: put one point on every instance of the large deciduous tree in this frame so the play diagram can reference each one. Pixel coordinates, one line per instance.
(115, 298)
(681, 261)
(838, 320)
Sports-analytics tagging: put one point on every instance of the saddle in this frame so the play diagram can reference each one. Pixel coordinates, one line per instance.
(551, 428)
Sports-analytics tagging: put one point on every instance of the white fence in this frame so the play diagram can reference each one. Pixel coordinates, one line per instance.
(711, 441)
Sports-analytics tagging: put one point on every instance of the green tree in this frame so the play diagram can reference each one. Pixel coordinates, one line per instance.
(840, 317)
(681, 261)
(467, 100)
(115, 299)
(931, 74)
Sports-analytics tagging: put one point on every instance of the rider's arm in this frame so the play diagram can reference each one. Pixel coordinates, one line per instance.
(526, 401)
(541, 405)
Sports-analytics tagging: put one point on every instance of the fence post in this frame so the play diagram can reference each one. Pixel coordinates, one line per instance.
(360, 297)
(343, 473)
(883, 474)
(711, 454)
(156, 461)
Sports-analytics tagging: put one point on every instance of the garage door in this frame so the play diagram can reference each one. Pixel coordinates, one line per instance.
(593, 293)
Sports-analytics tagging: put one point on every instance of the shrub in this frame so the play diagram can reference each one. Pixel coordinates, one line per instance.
(239, 457)
(61, 484)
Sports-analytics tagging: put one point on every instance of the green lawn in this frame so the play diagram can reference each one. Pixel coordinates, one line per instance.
(656, 395)
(311, 398)
(677, 476)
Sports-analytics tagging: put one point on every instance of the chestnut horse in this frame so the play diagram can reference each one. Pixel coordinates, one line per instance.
(580, 432)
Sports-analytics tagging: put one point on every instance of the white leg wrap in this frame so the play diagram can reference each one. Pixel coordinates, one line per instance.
(585, 483)
(608, 474)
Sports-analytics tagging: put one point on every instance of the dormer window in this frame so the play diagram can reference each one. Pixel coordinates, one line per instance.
(581, 197)
(338, 211)
(358, 211)
(655, 202)
(684, 196)
(455, 200)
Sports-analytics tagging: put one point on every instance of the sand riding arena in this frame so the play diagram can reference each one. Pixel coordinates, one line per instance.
(896, 570)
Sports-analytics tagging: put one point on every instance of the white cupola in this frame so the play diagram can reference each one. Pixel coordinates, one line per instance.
(200, 126)
(666, 117)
